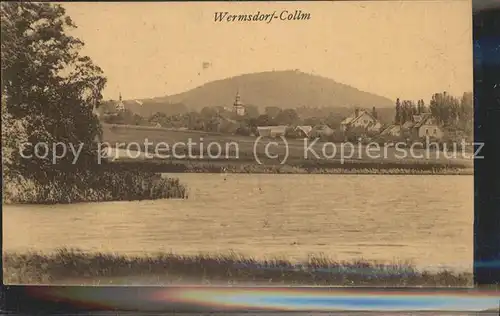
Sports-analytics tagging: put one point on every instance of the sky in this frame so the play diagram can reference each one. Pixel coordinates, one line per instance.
(405, 49)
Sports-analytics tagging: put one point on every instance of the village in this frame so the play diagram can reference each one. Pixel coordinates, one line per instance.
(411, 123)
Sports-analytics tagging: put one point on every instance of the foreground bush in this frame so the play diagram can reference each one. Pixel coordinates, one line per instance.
(73, 266)
(104, 183)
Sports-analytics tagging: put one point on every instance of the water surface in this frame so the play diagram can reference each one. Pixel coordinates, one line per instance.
(424, 219)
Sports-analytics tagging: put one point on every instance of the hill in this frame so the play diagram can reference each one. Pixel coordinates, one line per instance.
(284, 89)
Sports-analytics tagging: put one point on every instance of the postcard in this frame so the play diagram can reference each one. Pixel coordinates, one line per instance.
(241, 143)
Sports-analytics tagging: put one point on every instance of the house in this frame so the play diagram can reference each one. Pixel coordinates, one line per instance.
(423, 125)
(426, 126)
(321, 130)
(408, 125)
(272, 131)
(392, 130)
(303, 131)
(361, 118)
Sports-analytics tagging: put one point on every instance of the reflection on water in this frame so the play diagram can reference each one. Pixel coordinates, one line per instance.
(425, 219)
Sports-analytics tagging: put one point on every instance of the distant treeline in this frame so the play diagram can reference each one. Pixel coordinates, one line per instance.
(179, 116)
(453, 113)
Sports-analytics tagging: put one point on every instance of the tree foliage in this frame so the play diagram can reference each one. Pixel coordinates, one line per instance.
(449, 111)
(397, 117)
(47, 84)
(251, 111)
(453, 112)
(126, 117)
(287, 117)
(13, 135)
(272, 111)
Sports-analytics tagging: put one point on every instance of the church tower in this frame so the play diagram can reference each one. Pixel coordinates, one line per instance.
(238, 106)
(120, 106)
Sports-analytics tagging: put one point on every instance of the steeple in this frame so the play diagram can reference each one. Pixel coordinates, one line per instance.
(120, 106)
(238, 105)
(237, 101)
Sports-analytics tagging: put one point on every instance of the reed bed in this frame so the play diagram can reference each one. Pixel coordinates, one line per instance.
(104, 183)
(65, 265)
(285, 169)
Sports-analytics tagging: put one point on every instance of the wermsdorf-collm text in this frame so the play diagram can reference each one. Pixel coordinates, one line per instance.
(285, 15)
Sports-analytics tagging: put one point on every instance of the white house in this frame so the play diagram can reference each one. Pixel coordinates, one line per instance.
(426, 126)
(272, 131)
(361, 118)
(321, 130)
(423, 125)
(304, 130)
(392, 130)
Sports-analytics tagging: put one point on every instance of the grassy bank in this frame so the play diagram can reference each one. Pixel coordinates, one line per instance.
(246, 147)
(238, 155)
(348, 167)
(90, 268)
(103, 183)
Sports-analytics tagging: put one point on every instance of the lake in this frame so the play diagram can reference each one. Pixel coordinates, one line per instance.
(423, 219)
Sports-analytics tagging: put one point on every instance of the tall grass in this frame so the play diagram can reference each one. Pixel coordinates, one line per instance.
(103, 183)
(69, 265)
(287, 169)
(214, 166)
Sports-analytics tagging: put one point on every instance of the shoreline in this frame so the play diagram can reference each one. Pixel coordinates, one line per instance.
(170, 171)
(386, 172)
(91, 268)
(299, 167)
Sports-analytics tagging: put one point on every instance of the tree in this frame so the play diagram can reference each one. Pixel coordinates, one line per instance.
(127, 117)
(414, 109)
(13, 135)
(404, 111)
(444, 108)
(419, 107)
(251, 111)
(208, 112)
(287, 117)
(264, 120)
(48, 85)
(398, 118)
(422, 106)
(333, 120)
(466, 106)
(374, 113)
(243, 130)
(313, 121)
(467, 113)
(407, 110)
(158, 117)
(272, 111)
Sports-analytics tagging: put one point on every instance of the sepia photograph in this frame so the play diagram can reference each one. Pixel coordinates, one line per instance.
(242, 143)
